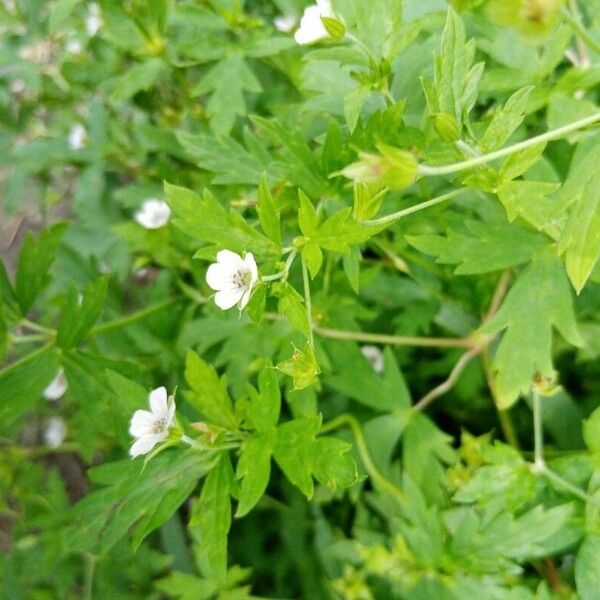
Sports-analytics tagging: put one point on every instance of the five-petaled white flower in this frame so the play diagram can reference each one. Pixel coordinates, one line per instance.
(77, 137)
(153, 214)
(374, 355)
(311, 27)
(233, 278)
(57, 387)
(151, 427)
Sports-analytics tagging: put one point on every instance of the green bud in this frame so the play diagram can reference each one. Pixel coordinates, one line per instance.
(399, 167)
(446, 127)
(335, 28)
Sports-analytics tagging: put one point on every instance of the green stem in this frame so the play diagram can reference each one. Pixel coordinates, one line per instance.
(378, 478)
(28, 339)
(132, 318)
(307, 302)
(36, 327)
(413, 209)
(191, 292)
(427, 170)
(538, 431)
(396, 340)
(28, 357)
(286, 269)
(579, 30)
(539, 464)
(90, 567)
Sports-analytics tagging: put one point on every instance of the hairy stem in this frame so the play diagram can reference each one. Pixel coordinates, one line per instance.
(307, 302)
(394, 340)
(413, 209)
(378, 478)
(431, 170)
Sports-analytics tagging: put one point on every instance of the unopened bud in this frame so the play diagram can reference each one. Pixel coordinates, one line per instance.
(446, 127)
(335, 28)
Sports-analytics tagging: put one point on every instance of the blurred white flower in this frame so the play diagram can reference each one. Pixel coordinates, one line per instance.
(151, 427)
(285, 23)
(93, 20)
(154, 214)
(55, 432)
(233, 278)
(17, 87)
(374, 355)
(77, 137)
(57, 387)
(311, 27)
(74, 46)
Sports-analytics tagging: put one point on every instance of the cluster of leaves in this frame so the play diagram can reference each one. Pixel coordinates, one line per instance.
(396, 186)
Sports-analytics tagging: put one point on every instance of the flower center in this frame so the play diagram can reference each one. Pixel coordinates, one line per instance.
(159, 426)
(241, 278)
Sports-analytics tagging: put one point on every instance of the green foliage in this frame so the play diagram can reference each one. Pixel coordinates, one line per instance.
(406, 213)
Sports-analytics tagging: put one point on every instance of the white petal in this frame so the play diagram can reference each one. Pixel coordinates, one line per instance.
(55, 432)
(250, 264)
(153, 214)
(158, 402)
(229, 258)
(311, 27)
(225, 299)
(245, 298)
(171, 412)
(145, 444)
(218, 276)
(57, 387)
(285, 23)
(374, 355)
(142, 423)
(325, 8)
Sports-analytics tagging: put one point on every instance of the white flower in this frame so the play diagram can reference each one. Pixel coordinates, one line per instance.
(154, 214)
(374, 355)
(77, 137)
(233, 277)
(73, 46)
(57, 387)
(151, 427)
(311, 27)
(55, 432)
(93, 20)
(285, 23)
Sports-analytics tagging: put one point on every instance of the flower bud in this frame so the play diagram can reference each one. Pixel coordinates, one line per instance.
(334, 27)
(446, 127)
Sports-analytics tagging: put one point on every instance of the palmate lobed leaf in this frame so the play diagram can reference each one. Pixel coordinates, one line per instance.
(539, 300)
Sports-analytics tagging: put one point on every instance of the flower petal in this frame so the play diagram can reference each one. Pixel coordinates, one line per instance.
(145, 444)
(142, 423)
(229, 258)
(57, 387)
(251, 266)
(218, 276)
(245, 298)
(158, 402)
(225, 299)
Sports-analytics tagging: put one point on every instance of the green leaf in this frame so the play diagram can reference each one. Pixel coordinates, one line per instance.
(135, 495)
(302, 367)
(141, 76)
(353, 375)
(268, 213)
(532, 201)
(308, 219)
(226, 82)
(340, 232)
(8, 298)
(587, 568)
(312, 254)
(580, 238)
(227, 158)
(60, 11)
(77, 318)
(205, 219)
(591, 431)
(538, 300)
(368, 198)
(266, 403)
(506, 120)
(353, 104)
(520, 162)
(254, 468)
(208, 393)
(291, 305)
(256, 306)
(293, 451)
(483, 248)
(34, 263)
(351, 262)
(334, 465)
(22, 383)
(211, 517)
